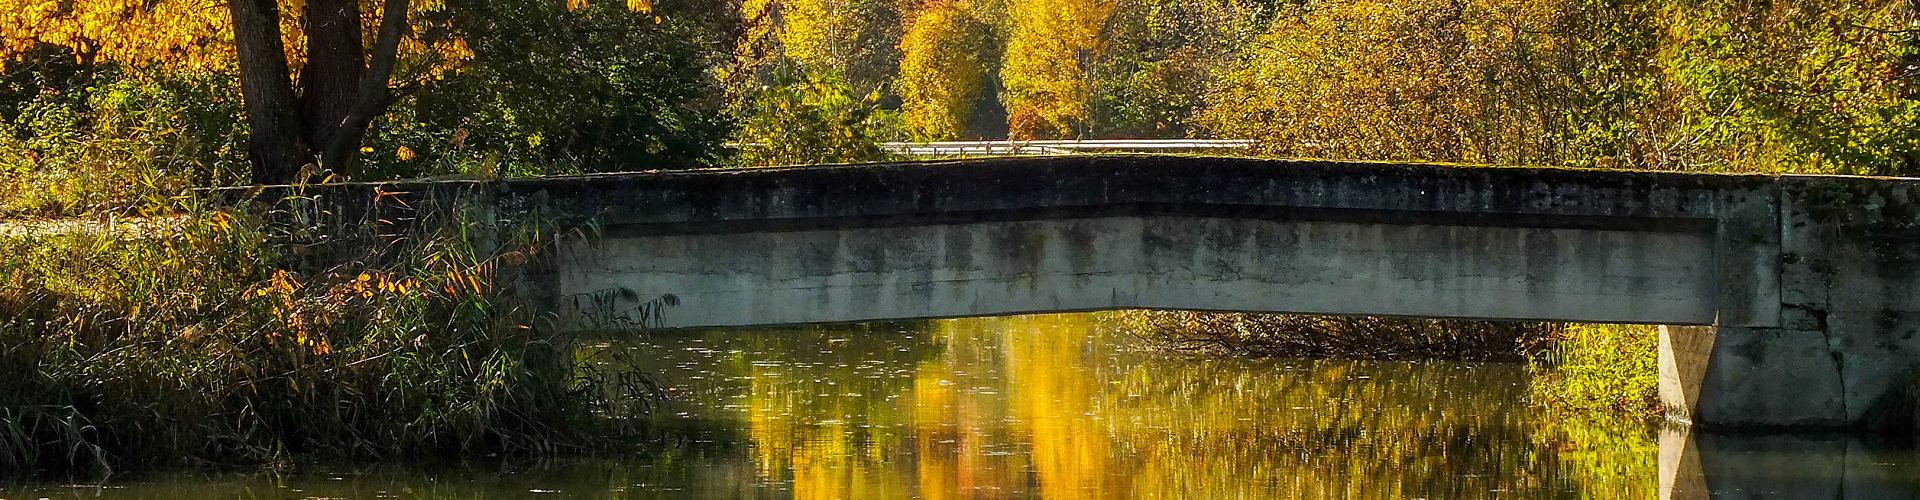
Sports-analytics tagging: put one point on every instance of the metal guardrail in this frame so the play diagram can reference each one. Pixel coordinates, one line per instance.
(1005, 148)
(987, 148)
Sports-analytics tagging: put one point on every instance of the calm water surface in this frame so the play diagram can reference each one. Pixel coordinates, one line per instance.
(1058, 407)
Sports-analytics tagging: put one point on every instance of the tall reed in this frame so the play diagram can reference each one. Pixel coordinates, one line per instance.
(232, 336)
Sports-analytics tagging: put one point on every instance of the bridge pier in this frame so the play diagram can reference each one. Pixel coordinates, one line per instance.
(1851, 376)
(1750, 378)
(1704, 466)
(1842, 351)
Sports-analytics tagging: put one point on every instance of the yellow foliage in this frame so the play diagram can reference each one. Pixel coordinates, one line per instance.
(1051, 45)
(1406, 80)
(642, 6)
(940, 70)
(808, 29)
(1811, 86)
(816, 33)
(196, 34)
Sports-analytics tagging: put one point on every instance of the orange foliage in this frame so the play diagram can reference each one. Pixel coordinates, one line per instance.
(137, 32)
(196, 34)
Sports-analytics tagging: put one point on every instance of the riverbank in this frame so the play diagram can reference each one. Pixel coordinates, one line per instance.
(1343, 337)
(1608, 368)
(219, 340)
(1580, 367)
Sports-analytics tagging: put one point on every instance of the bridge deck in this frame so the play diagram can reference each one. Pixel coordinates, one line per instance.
(984, 237)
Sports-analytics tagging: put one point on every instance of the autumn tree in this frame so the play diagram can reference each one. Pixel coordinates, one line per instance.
(343, 83)
(1158, 65)
(856, 40)
(1485, 81)
(1810, 86)
(137, 32)
(945, 54)
(1050, 46)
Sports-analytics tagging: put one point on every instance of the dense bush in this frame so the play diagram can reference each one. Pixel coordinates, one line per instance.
(116, 139)
(811, 117)
(552, 90)
(1606, 367)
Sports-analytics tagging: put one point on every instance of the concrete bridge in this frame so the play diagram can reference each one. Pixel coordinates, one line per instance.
(1794, 299)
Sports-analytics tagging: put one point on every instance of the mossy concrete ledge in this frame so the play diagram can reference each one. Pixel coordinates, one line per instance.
(1795, 298)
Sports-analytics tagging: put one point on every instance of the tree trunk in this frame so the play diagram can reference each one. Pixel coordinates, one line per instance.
(341, 93)
(342, 149)
(335, 63)
(275, 144)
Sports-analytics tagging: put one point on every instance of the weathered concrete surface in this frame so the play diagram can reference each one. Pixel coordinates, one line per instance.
(1751, 377)
(1807, 284)
(1163, 262)
(1845, 352)
(999, 236)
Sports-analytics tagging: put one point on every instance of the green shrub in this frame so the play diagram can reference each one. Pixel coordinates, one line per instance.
(559, 90)
(1602, 367)
(124, 140)
(812, 117)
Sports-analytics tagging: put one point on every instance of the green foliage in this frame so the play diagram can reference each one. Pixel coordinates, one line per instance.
(1155, 74)
(811, 117)
(113, 140)
(30, 74)
(1821, 86)
(1667, 84)
(552, 90)
(1605, 367)
(1478, 81)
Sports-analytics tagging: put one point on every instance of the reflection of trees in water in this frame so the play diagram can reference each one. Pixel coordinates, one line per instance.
(1332, 430)
(1046, 406)
(823, 406)
(1054, 407)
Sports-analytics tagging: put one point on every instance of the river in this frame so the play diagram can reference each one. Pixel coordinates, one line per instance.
(1060, 407)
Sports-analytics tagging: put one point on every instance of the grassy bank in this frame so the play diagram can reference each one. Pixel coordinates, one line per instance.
(198, 341)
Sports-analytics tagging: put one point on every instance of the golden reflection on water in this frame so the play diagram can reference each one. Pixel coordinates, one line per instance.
(1057, 407)
(1060, 407)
